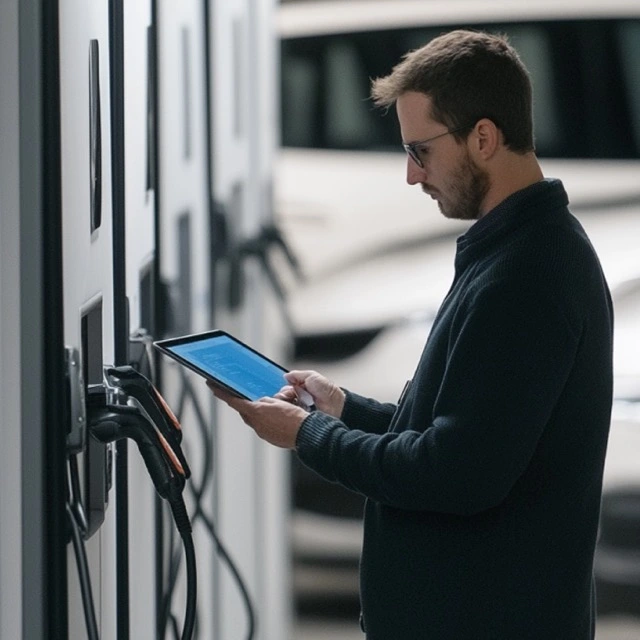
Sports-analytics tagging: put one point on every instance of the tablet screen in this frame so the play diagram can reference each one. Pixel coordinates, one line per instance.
(227, 360)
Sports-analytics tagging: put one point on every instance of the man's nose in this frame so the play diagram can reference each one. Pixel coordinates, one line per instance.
(415, 174)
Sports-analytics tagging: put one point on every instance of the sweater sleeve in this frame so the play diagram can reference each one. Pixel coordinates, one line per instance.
(366, 414)
(509, 355)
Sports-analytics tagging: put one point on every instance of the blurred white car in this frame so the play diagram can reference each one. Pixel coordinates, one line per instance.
(378, 255)
(340, 187)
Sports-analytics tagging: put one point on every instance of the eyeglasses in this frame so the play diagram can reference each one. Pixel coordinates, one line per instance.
(412, 147)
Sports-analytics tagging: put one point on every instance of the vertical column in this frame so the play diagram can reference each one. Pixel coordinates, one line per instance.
(10, 335)
(252, 478)
(88, 277)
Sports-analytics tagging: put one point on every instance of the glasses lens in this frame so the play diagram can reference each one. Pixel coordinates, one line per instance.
(413, 154)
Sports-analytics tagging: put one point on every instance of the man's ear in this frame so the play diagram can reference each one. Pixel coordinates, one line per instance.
(486, 138)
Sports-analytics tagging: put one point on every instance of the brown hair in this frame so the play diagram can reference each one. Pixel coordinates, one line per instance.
(468, 75)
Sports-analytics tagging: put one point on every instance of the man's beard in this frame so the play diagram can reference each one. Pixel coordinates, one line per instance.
(469, 186)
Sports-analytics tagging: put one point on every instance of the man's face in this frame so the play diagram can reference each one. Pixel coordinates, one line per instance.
(449, 174)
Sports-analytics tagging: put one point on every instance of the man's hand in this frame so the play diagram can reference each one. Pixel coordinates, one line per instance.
(275, 420)
(328, 397)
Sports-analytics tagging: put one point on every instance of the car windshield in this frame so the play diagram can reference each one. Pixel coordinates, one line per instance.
(585, 73)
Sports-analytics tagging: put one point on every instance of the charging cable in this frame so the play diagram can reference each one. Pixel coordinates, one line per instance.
(77, 530)
(128, 406)
(145, 362)
(198, 489)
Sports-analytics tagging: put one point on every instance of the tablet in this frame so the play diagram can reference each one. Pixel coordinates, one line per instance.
(229, 363)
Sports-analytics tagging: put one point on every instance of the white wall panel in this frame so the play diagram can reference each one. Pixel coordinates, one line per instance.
(10, 335)
(139, 255)
(139, 199)
(87, 262)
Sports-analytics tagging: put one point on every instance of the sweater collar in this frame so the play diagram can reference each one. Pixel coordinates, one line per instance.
(509, 215)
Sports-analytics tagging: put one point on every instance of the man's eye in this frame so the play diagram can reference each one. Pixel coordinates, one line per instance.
(422, 152)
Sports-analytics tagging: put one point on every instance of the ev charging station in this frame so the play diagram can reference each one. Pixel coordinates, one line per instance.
(136, 141)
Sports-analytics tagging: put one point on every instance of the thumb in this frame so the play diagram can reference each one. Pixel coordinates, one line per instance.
(296, 377)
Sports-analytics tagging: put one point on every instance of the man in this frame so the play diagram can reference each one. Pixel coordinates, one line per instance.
(484, 481)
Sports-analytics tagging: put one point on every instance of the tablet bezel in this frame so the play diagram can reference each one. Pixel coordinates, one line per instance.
(164, 347)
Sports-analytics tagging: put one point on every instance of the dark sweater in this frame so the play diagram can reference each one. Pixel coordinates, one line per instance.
(484, 483)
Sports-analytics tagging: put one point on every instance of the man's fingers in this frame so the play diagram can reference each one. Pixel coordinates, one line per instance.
(288, 394)
(297, 377)
(226, 396)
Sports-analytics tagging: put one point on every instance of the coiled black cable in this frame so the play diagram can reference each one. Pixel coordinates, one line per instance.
(83, 575)
(77, 528)
(199, 513)
(183, 525)
(165, 614)
(197, 490)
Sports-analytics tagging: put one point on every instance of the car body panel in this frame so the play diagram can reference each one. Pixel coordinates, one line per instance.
(317, 18)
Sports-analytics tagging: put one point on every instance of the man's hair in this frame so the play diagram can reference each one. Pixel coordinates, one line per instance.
(468, 75)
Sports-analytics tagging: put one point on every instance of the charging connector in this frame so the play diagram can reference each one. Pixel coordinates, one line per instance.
(110, 422)
(75, 409)
(127, 405)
